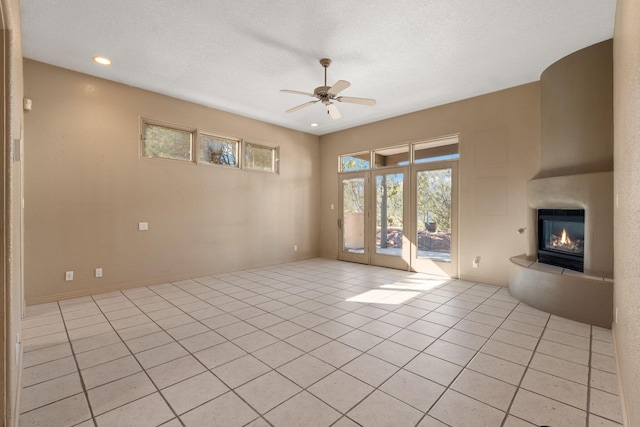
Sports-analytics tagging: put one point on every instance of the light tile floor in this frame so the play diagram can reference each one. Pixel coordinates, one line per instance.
(313, 343)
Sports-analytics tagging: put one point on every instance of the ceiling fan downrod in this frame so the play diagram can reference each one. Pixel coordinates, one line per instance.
(325, 62)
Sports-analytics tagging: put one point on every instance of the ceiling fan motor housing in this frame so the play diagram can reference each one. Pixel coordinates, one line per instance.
(322, 92)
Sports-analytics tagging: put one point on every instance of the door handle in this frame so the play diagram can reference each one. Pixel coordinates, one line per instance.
(340, 223)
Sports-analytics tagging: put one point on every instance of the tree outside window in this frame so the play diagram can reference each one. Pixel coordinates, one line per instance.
(218, 151)
(259, 157)
(167, 143)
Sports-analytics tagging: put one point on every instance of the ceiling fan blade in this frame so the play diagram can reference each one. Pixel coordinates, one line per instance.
(361, 101)
(296, 92)
(301, 106)
(333, 111)
(339, 87)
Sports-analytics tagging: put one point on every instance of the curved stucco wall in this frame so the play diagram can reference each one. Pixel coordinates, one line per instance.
(558, 291)
(576, 163)
(576, 113)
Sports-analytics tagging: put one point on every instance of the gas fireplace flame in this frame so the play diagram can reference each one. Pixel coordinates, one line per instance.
(566, 241)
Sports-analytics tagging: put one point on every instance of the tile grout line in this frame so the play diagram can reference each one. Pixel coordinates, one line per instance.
(169, 302)
(75, 359)
(182, 346)
(386, 339)
(448, 387)
(588, 386)
(421, 351)
(131, 353)
(526, 369)
(589, 375)
(320, 379)
(375, 388)
(303, 389)
(137, 361)
(231, 389)
(51, 379)
(77, 372)
(174, 340)
(177, 417)
(187, 350)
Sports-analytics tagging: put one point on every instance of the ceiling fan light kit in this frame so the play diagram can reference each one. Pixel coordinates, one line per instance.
(328, 94)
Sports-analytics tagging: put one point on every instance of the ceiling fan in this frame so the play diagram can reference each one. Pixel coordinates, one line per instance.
(328, 94)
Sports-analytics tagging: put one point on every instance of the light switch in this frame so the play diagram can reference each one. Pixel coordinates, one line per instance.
(143, 226)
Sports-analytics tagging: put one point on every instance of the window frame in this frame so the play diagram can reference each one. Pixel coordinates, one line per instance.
(397, 149)
(354, 155)
(428, 144)
(275, 163)
(446, 140)
(172, 126)
(239, 150)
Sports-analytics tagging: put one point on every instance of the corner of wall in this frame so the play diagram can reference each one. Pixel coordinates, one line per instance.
(627, 203)
(12, 95)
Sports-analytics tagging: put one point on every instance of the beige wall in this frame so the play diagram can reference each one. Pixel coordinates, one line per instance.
(86, 190)
(499, 153)
(626, 57)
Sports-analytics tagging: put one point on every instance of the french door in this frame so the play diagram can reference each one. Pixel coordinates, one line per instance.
(354, 198)
(389, 223)
(401, 217)
(434, 218)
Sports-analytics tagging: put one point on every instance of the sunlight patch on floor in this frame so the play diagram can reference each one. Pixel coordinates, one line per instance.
(418, 286)
(381, 296)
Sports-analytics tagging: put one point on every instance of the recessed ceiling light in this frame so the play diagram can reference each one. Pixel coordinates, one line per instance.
(313, 125)
(102, 60)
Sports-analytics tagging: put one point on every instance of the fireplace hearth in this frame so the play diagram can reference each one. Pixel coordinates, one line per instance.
(561, 238)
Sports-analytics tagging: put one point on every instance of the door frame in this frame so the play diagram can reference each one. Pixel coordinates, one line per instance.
(417, 162)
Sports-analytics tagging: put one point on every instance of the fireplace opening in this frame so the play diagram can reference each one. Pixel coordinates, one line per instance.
(561, 238)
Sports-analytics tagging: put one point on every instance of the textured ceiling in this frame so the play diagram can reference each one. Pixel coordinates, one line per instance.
(235, 55)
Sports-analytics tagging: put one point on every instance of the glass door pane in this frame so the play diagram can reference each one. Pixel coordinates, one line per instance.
(389, 214)
(434, 214)
(391, 248)
(435, 219)
(352, 221)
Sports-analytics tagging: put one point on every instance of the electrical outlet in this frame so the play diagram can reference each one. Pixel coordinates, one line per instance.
(98, 272)
(68, 276)
(295, 248)
(143, 226)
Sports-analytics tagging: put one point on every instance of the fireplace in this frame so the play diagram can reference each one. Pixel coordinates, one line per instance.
(561, 238)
